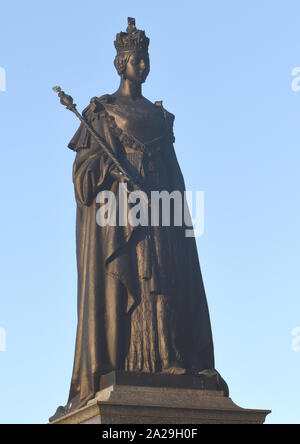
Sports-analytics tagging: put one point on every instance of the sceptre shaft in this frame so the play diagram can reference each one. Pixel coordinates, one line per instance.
(68, 102)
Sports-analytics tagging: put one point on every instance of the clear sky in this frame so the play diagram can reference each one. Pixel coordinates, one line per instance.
(224, 69)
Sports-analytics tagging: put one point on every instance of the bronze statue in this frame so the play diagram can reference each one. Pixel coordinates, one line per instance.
(141, 300)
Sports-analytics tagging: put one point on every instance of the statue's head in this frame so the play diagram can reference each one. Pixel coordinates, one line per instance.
(132, 59)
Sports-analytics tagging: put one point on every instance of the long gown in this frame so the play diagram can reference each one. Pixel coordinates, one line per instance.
(141, 300)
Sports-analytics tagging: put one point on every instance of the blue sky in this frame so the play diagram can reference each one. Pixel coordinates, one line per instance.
(224, 69)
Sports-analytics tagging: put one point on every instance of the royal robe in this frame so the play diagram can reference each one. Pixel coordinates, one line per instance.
(141, 299)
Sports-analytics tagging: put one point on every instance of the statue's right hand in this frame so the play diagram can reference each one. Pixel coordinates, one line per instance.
(118, 175)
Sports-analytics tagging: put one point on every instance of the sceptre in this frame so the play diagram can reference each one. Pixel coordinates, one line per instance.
(68, 102)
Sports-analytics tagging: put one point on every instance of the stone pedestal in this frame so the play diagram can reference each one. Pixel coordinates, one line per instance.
(148, 402)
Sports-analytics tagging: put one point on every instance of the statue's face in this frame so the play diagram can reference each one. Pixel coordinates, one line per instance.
(137, 67)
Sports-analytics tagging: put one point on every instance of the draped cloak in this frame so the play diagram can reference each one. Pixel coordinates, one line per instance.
(129, 276)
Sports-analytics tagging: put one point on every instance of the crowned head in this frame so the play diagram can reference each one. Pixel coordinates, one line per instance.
(132, 59)
(132, 40)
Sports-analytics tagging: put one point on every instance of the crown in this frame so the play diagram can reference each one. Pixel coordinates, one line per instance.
(131, 40)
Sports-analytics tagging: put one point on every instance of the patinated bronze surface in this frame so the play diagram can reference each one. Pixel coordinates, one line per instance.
(141, 300)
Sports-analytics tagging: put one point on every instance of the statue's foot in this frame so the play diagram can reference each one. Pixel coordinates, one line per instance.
(174, 369)
(209, 373)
